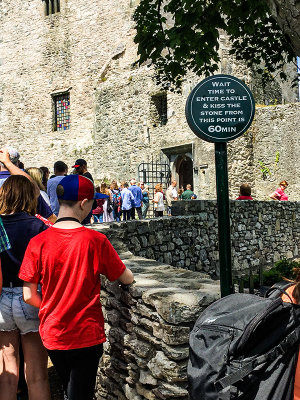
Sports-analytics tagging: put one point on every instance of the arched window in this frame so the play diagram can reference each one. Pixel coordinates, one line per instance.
(51, 6)
(184, 169)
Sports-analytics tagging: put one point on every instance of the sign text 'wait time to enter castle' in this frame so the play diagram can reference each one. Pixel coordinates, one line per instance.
(220, 108)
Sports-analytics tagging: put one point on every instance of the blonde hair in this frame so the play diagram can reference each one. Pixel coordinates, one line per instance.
(37, 175)
(158, 188)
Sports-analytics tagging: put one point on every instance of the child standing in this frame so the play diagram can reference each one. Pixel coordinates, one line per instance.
(67, 260)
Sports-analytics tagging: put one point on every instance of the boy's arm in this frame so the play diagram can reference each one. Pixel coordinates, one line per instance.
(127, 277)
(112, 266)
(31, 295)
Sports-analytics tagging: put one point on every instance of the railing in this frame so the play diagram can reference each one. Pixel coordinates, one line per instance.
(246, 283)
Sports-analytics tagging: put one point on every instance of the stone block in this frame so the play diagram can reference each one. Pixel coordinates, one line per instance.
(178, 242)
(113, 318)
(171, 246)
(164, 368)
(144, 241)
(146, 378)
(145, 392)
(167, 391)
(143, 228)
(145, 311)
(178, 306)
(135, 244)
(131, 393)
(152, 240)
(168, 259)
(148, 337)
(176, 353)
(171, 334)
(140, 348)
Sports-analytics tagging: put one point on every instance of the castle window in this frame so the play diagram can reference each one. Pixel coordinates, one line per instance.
(159, 109)
(61, 118)
(51, 6)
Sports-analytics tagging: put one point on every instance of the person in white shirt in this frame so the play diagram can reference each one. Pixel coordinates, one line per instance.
(171, 195)
(158, 201)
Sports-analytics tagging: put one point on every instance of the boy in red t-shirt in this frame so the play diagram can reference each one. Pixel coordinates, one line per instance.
(67, 261)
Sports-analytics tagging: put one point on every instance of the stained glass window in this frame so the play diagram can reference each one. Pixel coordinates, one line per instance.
(51, 6)
(61, 112)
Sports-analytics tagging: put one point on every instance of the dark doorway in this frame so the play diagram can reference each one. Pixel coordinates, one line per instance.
(184, 168)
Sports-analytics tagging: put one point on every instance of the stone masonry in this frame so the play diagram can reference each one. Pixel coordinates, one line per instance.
(262, 233)
(148, 323)
(88, 50)
(147, 327)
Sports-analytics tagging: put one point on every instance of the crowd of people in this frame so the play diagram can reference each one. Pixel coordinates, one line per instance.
(115, 201)
(50, 266)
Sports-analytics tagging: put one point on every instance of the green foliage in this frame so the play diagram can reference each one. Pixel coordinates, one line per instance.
(264, 170)
(282, 269)
(182, 35)
(285, 267)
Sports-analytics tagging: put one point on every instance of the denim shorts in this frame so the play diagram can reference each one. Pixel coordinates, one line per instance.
(15, 313)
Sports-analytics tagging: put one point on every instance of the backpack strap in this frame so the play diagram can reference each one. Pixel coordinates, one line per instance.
(282, 348)
(236, 376)
(278, 289)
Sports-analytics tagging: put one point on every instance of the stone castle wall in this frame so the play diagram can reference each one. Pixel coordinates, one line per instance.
(262, 233)
(89, 50)
(123, 112)
(41, 55)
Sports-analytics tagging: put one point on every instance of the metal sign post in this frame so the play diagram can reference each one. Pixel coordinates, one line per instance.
(223, 219)
(219, 109)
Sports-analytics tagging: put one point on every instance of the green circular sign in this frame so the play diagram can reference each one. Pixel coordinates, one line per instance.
(220, 108)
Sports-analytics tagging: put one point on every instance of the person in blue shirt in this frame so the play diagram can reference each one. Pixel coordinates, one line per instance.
(138, 199)
(60, 170)
(127, 201)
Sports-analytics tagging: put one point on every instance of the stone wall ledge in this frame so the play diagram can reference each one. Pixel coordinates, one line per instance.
(262, 232)
(147, 326)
